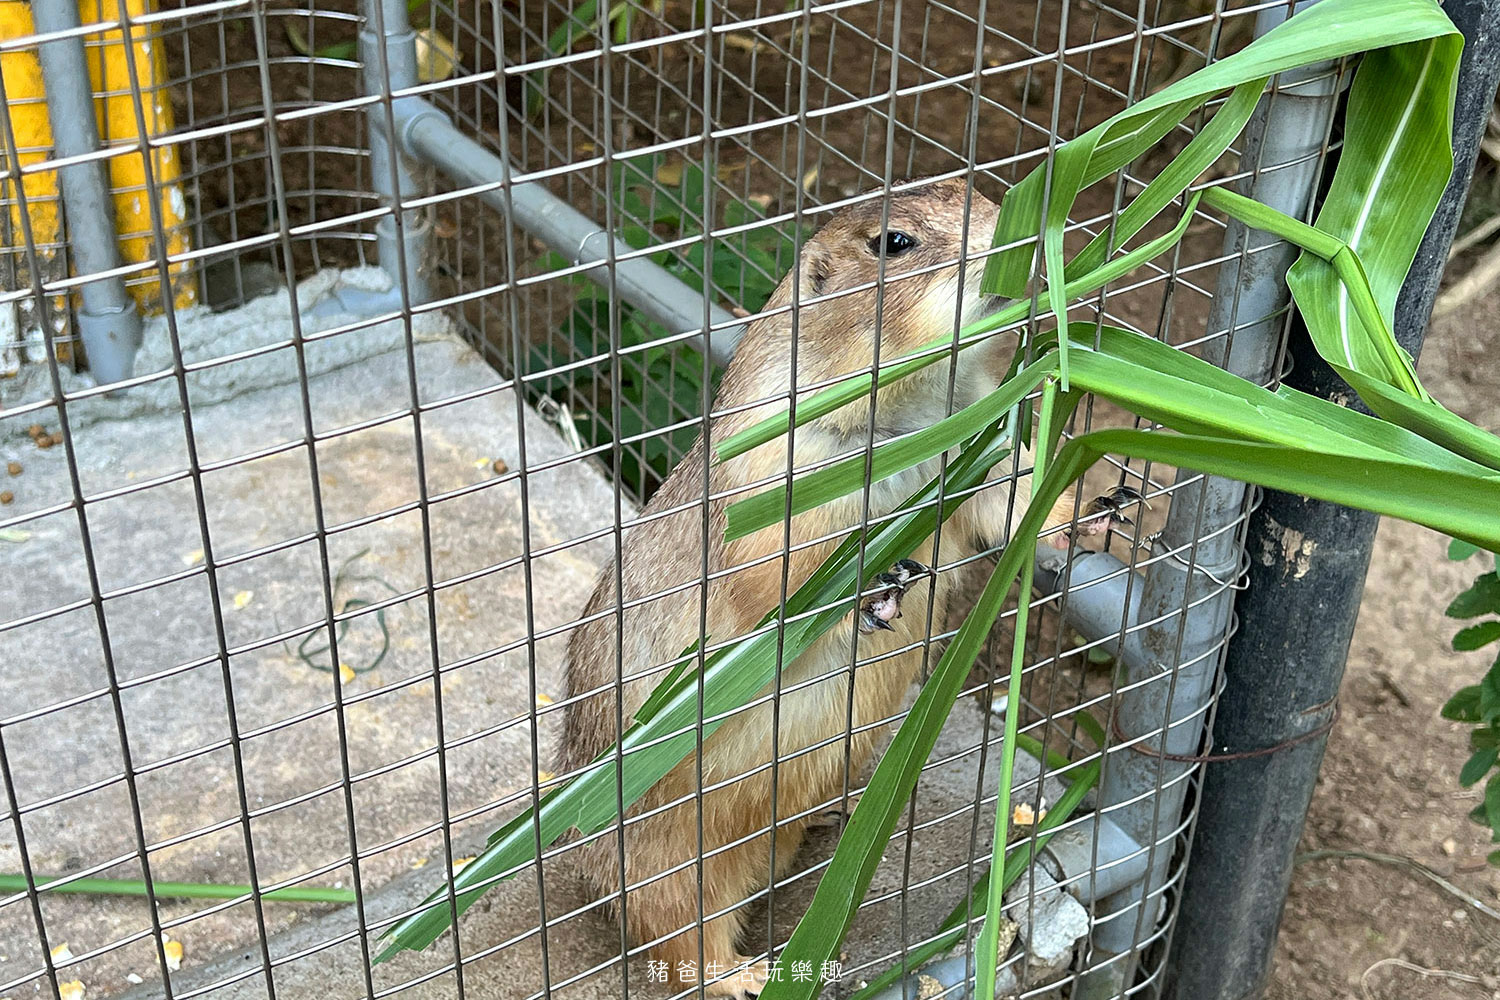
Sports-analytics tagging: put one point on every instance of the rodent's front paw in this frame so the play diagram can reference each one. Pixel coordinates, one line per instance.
(884, 606)
(743, 982)
(1107, 512)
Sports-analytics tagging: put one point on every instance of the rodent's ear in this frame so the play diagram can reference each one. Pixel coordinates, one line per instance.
(815, 270)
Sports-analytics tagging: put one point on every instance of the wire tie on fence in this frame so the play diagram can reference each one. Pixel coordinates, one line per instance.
(1216, 758)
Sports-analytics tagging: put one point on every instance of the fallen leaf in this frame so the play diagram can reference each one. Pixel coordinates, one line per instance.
(745, 43)
(346, 673)
(62, 953)
(70, 990)
(243, 598)
(669, 173)
(193, 558)
(173, 952)
(437, 57)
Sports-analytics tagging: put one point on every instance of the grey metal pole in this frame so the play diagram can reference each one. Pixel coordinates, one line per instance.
(1283, 670)
(107, 320)
(426, 133)
(400, 62)
(1187, 597)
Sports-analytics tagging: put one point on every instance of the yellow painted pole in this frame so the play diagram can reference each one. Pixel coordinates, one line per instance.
(115, 106)
(27, 108)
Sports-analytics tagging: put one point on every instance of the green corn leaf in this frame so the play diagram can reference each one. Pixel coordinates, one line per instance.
(842, 478)
(732, 676)
(1206, 147)
(1331, 30)
(950, 931)
(1393, 168)
(856, 387)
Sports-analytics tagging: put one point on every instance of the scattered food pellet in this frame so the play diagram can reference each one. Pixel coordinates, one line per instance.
(133, 979)
(6, 496)
(14, 468)
(542, 777)
(56, 437)
(419, 863)
(500, 467)
(44, 442)
(1024, 815)
(346, 673)
(542, 699)
(173, 952)
(480, 463)
(193, 558)
(1450, 846)
(36, 431)
(243, 598)
(71, 990)
(62, 953)
(458, 864)
(444, 228)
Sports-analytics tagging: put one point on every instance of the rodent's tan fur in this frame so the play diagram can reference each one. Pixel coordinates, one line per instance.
(664, 556)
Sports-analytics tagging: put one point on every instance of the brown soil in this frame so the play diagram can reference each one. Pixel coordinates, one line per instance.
(1389, 781)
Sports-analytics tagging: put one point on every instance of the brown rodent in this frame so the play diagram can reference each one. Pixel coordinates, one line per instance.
(662, 566)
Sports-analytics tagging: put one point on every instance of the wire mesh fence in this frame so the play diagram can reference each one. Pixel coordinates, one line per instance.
(286, 607)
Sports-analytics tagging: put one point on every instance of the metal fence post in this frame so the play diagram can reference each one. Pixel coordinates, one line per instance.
(1283, 670)
(1187, 596)
(107, 320)
(400, 62)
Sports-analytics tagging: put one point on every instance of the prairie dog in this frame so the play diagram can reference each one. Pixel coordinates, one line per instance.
(664, 556)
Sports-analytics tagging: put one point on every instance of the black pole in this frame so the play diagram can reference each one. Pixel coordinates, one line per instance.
(1284, 665)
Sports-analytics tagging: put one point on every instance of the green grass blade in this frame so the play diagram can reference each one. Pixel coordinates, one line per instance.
(178, 890)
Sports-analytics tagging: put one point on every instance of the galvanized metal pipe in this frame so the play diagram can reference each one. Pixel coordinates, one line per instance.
(387, 29)
(1186, 600)
(107, 320)
(1283, 671)
(426, 133)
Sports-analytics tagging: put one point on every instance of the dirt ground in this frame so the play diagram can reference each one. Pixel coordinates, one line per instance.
(1389, 781)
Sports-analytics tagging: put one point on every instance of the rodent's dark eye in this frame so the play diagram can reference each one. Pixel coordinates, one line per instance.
(892, 244)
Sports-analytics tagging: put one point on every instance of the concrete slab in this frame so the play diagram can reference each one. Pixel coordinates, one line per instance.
(62, 709)
(61, 740)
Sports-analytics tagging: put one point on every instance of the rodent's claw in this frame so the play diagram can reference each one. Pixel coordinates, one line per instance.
(881, 608)
(1107, 511)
